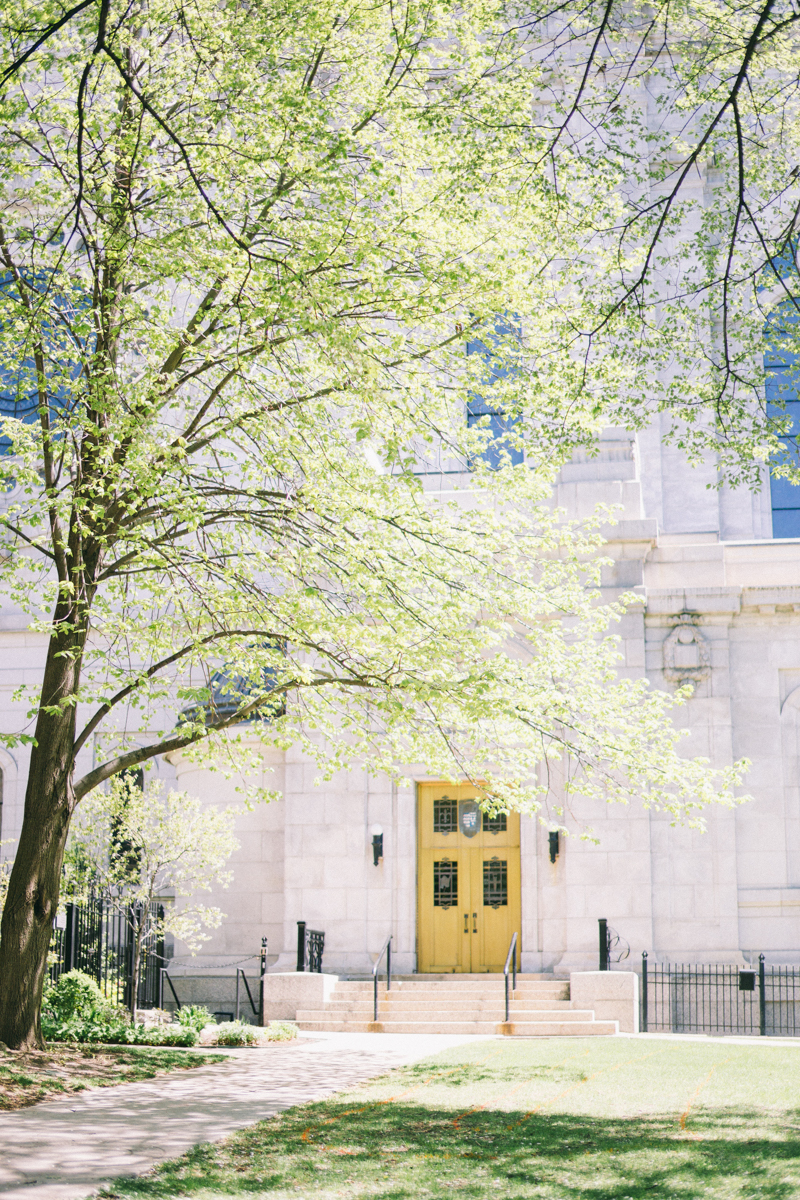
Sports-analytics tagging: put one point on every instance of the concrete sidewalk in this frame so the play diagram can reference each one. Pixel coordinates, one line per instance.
(68, 1148)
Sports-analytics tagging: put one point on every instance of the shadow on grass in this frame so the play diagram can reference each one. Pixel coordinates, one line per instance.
(401, 1151)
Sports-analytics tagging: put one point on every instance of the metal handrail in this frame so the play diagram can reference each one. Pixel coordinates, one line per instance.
(239, 972)
(387, 950)
(610, 940)
(511, 958)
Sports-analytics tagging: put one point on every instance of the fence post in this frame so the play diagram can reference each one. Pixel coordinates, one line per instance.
(100, 958)
(762, 999)
(301, 945)
(644, 992)
(69, 938)
(160, 956)
(603, 931)
(238, 969)
(261, 983)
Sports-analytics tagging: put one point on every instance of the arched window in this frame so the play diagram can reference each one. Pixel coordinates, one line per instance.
(782, 367)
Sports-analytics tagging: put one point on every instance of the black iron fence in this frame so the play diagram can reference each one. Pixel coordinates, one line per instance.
(310, 946)
(720, 998)
(98, 938)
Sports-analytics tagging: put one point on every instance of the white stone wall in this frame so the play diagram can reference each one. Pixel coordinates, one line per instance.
(682, 895)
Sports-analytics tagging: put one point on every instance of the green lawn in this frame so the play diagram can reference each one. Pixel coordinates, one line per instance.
(606, 1119)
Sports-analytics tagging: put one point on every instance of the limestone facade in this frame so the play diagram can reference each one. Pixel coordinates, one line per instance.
(720, 606)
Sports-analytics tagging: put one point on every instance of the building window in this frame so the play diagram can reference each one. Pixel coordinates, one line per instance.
(495, 883)
(496, 824)
(445, 883)
(782, 368)
(19, 393)
(481, 410)
(445, 815)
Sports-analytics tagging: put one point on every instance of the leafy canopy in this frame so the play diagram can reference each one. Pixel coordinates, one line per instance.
(244, 248)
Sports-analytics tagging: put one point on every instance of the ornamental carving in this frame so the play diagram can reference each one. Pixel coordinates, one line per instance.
(687, 654)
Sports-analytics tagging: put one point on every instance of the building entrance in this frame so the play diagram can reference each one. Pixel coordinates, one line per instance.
(468, 881)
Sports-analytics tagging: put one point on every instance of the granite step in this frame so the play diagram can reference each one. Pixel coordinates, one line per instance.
(485, 1028)
(494, 1014)
(455, 1004)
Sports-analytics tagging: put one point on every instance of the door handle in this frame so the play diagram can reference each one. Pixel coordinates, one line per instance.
(474, 922)
(466, 922)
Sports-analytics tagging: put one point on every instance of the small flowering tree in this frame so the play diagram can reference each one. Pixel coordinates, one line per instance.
(134, 844)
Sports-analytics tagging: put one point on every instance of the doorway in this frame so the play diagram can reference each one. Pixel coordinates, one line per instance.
(468, 881)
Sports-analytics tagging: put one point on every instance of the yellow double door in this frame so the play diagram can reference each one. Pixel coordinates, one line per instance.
(468, 902)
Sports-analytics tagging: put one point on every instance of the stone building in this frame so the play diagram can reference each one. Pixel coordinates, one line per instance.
(720, 606)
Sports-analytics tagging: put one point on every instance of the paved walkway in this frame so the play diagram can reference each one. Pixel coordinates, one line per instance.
(68, 1148)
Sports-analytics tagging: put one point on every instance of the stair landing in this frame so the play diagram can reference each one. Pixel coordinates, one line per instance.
(540, 1006)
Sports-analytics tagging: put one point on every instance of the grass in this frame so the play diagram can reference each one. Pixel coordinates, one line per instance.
(26, 1077)
(602, 1119)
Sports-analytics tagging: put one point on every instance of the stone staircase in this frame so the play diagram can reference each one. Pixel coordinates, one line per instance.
(540, 1007)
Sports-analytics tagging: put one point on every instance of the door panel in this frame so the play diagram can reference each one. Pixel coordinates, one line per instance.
(496, 880)
(444, 892)
(468, 882)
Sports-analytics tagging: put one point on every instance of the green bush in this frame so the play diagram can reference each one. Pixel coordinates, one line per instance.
(76, 997)
(194, 1016)
(281, 1031)
(75, 1010)
(119, 1034)
(173, 1037)
(237, 1033)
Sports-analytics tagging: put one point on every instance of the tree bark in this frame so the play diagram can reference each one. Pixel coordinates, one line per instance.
(33, 889)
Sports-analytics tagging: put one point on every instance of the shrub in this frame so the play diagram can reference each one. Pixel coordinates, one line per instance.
(194, 1016)
(281, 1031)
(76, 997)
(237, 1033)
(181, 1036)
(119, 1034)
(75, 1010)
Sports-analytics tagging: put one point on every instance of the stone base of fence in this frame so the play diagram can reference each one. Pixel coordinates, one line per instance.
(286, 992)
(216, 992)
(612, 995)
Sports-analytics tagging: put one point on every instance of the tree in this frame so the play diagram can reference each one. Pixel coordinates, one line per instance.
(690, 112)
(134, 843)
(242, 252)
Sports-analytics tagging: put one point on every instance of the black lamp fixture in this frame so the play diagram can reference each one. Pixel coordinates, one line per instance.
(377, 844)
(554, 847)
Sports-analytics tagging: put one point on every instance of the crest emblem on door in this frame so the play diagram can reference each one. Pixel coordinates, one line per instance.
(469, 817)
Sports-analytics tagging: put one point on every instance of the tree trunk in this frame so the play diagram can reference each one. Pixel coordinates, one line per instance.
(33, 889)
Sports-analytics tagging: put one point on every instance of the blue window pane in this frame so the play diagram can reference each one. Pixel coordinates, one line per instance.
(19, 396)
(499, 424)
(784, 494)
(786, 522)
(779, 350)
(782, 365)
(499, 427)
(782, 392)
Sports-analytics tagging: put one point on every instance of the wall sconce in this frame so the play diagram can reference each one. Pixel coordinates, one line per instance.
(377, 844)
(553, 839)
